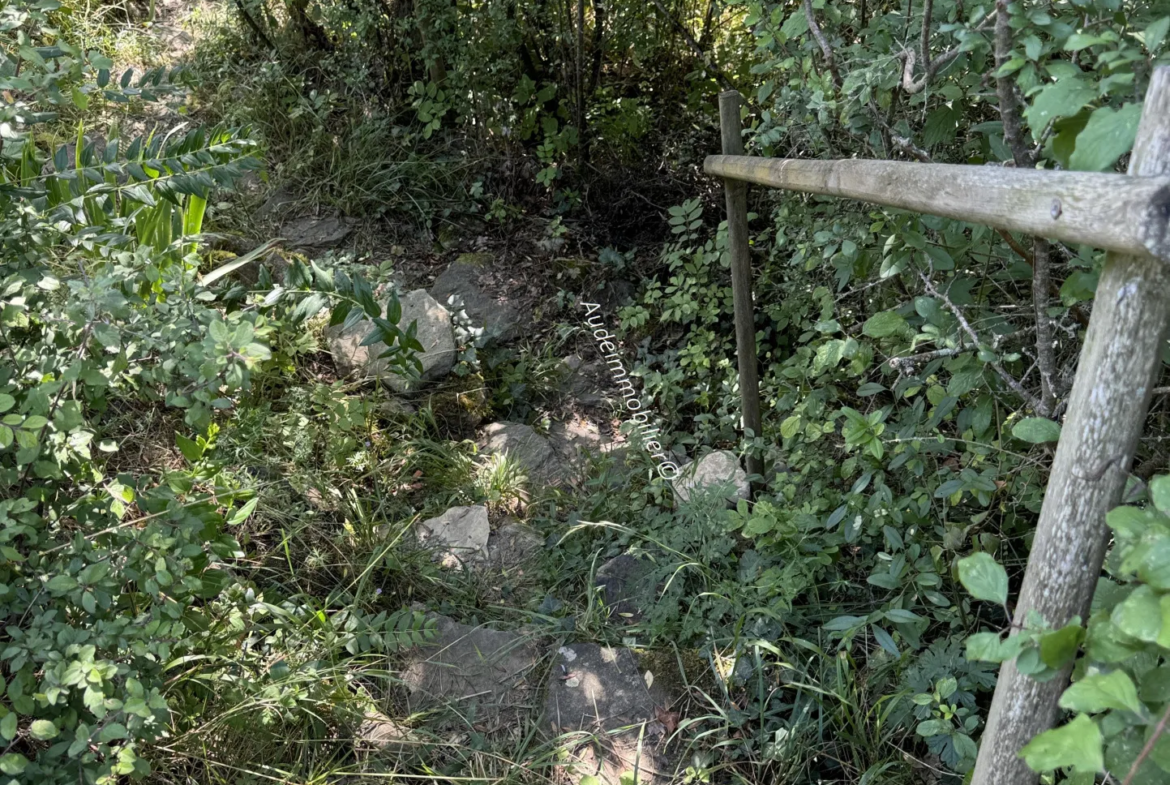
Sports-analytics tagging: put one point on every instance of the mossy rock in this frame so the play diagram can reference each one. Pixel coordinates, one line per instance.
(475, 259)
(462, 404)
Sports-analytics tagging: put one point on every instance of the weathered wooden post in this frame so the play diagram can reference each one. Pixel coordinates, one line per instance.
(741, 275)
(1107, 410)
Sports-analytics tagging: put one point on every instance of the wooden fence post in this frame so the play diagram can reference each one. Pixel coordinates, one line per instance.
(1118, 367)
(741, 275)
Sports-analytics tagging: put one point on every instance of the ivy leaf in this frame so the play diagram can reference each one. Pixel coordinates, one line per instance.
(984, 578)
(1108, 135)
(1076, 746)
(1101, 692)
(1036, 430)
(883, 324)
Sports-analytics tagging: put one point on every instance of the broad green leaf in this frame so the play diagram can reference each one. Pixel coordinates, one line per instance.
(61, 583)
(965, 746)
(241, 515)
(930, 728)
(8, 726)
(34, 423)
(884, 324)
(1164, 636)
(1140, 616)
(43, 730)
(1059, 647)
(1062, 98)
(6, 402)
(1077, 746)
(190, 448)
(1160, 492)
(989, 647)
(900, 616)
(113, 732)
(13, 763)
(1108, 135)
(1102, 691)
(1155, 33)
(1036, 430)
(983, 577)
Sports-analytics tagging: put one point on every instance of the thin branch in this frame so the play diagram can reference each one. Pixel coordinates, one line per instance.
(1045, 356)
(930, 67)
(1148, 748)
(1005, 87)
(897, 363)
(826, 50)
(1007, 377)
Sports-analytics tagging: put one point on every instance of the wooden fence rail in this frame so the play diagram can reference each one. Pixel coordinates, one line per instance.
(1127, 215)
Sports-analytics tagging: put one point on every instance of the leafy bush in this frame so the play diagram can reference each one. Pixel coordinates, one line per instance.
(103, 309)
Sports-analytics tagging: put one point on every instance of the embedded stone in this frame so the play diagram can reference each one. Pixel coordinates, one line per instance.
(602, 691)
(459, 537)
(315, 232)
(520, 443)
(477, 672)
(433, 331)
(716, 471)
(628, 587)
(459, 287)
(512, 546)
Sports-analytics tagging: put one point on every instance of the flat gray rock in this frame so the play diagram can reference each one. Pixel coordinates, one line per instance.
(628, 587)
(584, 382)
(276, 204)
(598, 700)
(434, 333)
(315, 232)
(459, 537)
(527, 448)
(499, 318)
(716, 470)
(473, 670)
(379, 733)
(512, 546)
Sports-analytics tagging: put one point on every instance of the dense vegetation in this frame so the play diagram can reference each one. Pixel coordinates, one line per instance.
(203, 568)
